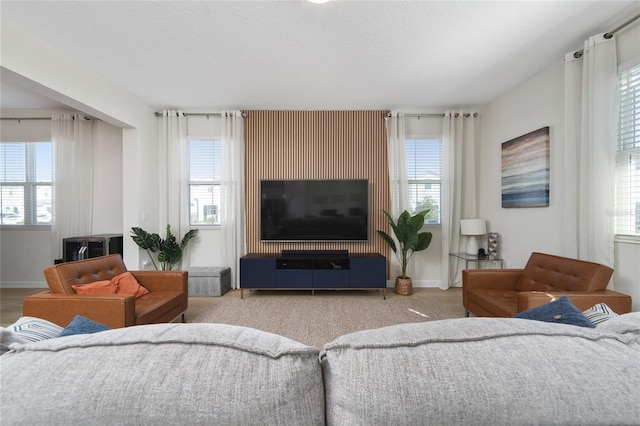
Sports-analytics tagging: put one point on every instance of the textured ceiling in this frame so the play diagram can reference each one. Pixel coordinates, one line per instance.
(298, 55)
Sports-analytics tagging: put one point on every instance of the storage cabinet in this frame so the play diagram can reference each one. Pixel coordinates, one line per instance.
(85, 247)
(313, 271)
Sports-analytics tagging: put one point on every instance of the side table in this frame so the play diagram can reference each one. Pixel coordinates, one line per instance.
(474, 262)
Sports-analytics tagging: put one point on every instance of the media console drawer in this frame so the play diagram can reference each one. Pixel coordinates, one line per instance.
(313, 271)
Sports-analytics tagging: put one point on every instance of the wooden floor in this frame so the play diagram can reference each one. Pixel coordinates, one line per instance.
(11, 301)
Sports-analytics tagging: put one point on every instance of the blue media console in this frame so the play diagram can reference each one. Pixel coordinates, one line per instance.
(312, 270)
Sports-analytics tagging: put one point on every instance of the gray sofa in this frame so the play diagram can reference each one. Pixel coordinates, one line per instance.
(475, 371)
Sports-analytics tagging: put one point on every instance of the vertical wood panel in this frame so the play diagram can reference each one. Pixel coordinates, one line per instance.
(317, 145)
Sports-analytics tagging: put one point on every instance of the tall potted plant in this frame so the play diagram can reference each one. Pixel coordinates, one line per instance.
(169, 251)
(410, 240)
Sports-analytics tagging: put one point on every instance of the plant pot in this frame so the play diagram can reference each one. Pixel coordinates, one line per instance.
(404, 286)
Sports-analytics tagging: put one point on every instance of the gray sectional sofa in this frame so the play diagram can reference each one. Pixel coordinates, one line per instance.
(475, 371)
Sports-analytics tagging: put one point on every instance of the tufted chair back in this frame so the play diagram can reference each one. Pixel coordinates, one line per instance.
(63, 276)
(546, 272)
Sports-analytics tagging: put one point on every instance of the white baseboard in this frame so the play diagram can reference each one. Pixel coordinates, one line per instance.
(417, 283)
(24, 284)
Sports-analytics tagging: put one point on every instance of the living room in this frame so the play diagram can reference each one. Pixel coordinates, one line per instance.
(127, 133)
(345, 71)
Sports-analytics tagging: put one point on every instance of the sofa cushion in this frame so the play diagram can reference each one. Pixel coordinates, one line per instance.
(483, 371)
(560, 311)
(97, 287)
(127, 284)
(164, 374)
(82, 325)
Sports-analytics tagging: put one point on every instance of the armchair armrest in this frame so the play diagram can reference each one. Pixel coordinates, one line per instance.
(618, 302)
(163, 280)
(112, 310)
(497, 279)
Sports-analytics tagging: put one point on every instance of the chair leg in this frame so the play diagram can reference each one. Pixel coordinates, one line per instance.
(184, 319)
(466, 313)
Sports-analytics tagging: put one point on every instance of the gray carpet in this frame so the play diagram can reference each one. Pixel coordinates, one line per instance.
(318, 319)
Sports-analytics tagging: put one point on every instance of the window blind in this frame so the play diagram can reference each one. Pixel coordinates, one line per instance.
(424, 176)
(204, 182)
(627, 209)
(26, 175)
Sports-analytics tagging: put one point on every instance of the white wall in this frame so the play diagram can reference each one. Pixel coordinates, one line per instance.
(536, 103)
(107, 178)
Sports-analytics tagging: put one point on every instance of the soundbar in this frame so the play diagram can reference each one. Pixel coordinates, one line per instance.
(315, 253)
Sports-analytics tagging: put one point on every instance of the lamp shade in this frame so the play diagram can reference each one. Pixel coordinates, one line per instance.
(473, 227)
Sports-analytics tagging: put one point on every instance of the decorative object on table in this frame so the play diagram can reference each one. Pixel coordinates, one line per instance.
(473, 228)
(169, 251)
(410, 239)
(493, 244)
(525, 170)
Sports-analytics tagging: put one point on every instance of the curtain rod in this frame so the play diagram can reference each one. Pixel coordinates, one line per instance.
(86, 117)
(425, 115)
(159, 114)
(578, 54)
(438, 115)
(204, 114)
(25, 118)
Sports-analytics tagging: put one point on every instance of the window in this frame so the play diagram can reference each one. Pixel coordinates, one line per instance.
(424, 177)
(204, 182)
(26, 175)
(627, 218)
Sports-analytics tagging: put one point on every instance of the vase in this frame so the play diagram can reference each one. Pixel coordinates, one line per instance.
(404, 286)
(493, 245)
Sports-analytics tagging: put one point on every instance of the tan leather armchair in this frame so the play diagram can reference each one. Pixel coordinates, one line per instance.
(167, 298)
(505, 292)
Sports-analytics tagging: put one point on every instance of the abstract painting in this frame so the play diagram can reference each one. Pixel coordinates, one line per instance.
(525, 170)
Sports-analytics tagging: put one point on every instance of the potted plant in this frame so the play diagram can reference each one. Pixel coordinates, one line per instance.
(169, 251)
(410, 240)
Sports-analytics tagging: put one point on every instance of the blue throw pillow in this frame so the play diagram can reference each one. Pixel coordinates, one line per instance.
(560, 311)
(82, 325)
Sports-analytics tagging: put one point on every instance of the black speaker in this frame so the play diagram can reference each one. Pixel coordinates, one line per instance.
(315, 253)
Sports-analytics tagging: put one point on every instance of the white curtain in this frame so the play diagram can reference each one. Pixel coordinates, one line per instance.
(397, 176)
(232, 209)
(590, 146)
(458, 188)
(72, 138)
(173, 202)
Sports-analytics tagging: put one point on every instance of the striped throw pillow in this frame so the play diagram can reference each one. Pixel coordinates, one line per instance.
(599, 313)
(35, 329)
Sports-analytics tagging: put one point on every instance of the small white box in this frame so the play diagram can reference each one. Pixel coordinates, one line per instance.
(209, 281)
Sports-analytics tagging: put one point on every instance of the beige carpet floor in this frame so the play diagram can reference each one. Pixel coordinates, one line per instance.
(317, 319)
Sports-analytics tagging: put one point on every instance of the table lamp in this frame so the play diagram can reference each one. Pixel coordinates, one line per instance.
(472, 228)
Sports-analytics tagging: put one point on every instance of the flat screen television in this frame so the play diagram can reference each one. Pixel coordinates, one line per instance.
(314, 210)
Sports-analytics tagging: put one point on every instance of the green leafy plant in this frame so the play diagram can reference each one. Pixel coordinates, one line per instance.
(407, 232)
(169, 251)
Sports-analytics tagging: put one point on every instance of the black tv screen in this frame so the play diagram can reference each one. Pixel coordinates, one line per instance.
(314, 210)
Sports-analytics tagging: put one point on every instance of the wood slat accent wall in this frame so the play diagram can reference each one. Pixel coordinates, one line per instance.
(317, 145)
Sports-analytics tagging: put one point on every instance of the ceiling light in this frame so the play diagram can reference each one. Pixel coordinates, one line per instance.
(318, 1)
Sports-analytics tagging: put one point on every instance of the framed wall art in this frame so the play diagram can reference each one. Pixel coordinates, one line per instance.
(525, 170)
